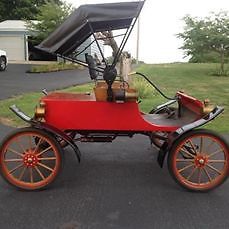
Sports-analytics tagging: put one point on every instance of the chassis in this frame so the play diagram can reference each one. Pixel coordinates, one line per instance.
(31, 157)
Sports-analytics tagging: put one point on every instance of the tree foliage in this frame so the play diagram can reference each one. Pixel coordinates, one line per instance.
(21, 9)
(50, 16)
(207, 39)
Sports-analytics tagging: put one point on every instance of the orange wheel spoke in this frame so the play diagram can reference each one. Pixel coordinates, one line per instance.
(46, 158)
(208, 175)
(14, 151)
(201, 144)
(210, 145)
(45, 166)
(216, 152)
(37, 146)
(192, 173)
(17, 167)
(185, 160)
(193, 147)
(20, 145)
(40, 173)
(22, 173)
(214, 169)
(186, 167)
(216, 161)
(43, 151)
(13, 160)
(31, 174)
(199, 175)
(185, 151)
(30, 159)
(30, 142)
(199, 161)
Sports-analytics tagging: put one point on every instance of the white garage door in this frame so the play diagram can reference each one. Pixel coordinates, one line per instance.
(14, 46)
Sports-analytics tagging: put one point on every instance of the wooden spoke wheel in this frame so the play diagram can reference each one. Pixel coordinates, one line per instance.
(30, 159)
(199, 160)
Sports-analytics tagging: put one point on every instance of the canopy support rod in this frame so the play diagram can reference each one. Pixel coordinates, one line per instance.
(100, 50)
(85, 48)
(124, 41)
(126, 37)
(119, 35)
(117, 55)
(80, 63)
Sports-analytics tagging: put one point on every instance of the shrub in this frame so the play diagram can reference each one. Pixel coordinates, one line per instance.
(145, 90)
(53, 67)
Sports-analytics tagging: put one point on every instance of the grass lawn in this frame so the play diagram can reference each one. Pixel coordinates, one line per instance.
(194, 79)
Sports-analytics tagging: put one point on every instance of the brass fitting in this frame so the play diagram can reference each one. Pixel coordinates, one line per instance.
(208, 107)
(131, 95)
(131, 73)
(40, 111)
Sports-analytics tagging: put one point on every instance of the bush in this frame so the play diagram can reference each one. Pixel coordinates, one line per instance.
(53, 67)
(218, 72)
(145, 90)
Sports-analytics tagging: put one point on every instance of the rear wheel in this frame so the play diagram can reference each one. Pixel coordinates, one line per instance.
(199, 160)
(25, 163)
(2, 64)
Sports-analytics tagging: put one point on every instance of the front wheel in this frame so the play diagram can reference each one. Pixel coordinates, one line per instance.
(199, 160)
(25, 163)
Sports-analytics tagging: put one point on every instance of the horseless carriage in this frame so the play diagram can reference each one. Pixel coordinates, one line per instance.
(31, 157)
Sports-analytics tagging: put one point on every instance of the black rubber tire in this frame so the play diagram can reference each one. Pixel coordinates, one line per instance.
(2, 64)
(182, 139)
(46, 135)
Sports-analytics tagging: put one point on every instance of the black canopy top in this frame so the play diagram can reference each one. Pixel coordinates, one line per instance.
(88, 19)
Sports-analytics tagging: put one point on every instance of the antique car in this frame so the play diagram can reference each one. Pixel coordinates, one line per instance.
(31, 157)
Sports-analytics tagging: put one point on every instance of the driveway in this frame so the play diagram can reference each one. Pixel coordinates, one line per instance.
(117, 185)
(16, 81)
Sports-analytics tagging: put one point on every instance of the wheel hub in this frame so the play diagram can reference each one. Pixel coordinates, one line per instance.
(30, 159)
(200, 161)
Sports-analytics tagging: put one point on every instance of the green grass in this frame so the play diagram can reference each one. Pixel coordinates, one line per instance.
(194, 79)
(53, 67)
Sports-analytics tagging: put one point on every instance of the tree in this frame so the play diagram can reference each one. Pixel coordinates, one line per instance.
(207, 39)
(50, 16)
(21, 9)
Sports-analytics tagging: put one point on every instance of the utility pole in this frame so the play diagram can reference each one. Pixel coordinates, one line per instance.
(138, 39)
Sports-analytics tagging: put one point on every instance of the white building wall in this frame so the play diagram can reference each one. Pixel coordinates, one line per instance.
(14, 45)
(91, 49)
(13, 39)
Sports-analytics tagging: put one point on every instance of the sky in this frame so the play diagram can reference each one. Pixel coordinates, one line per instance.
(160, 21)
